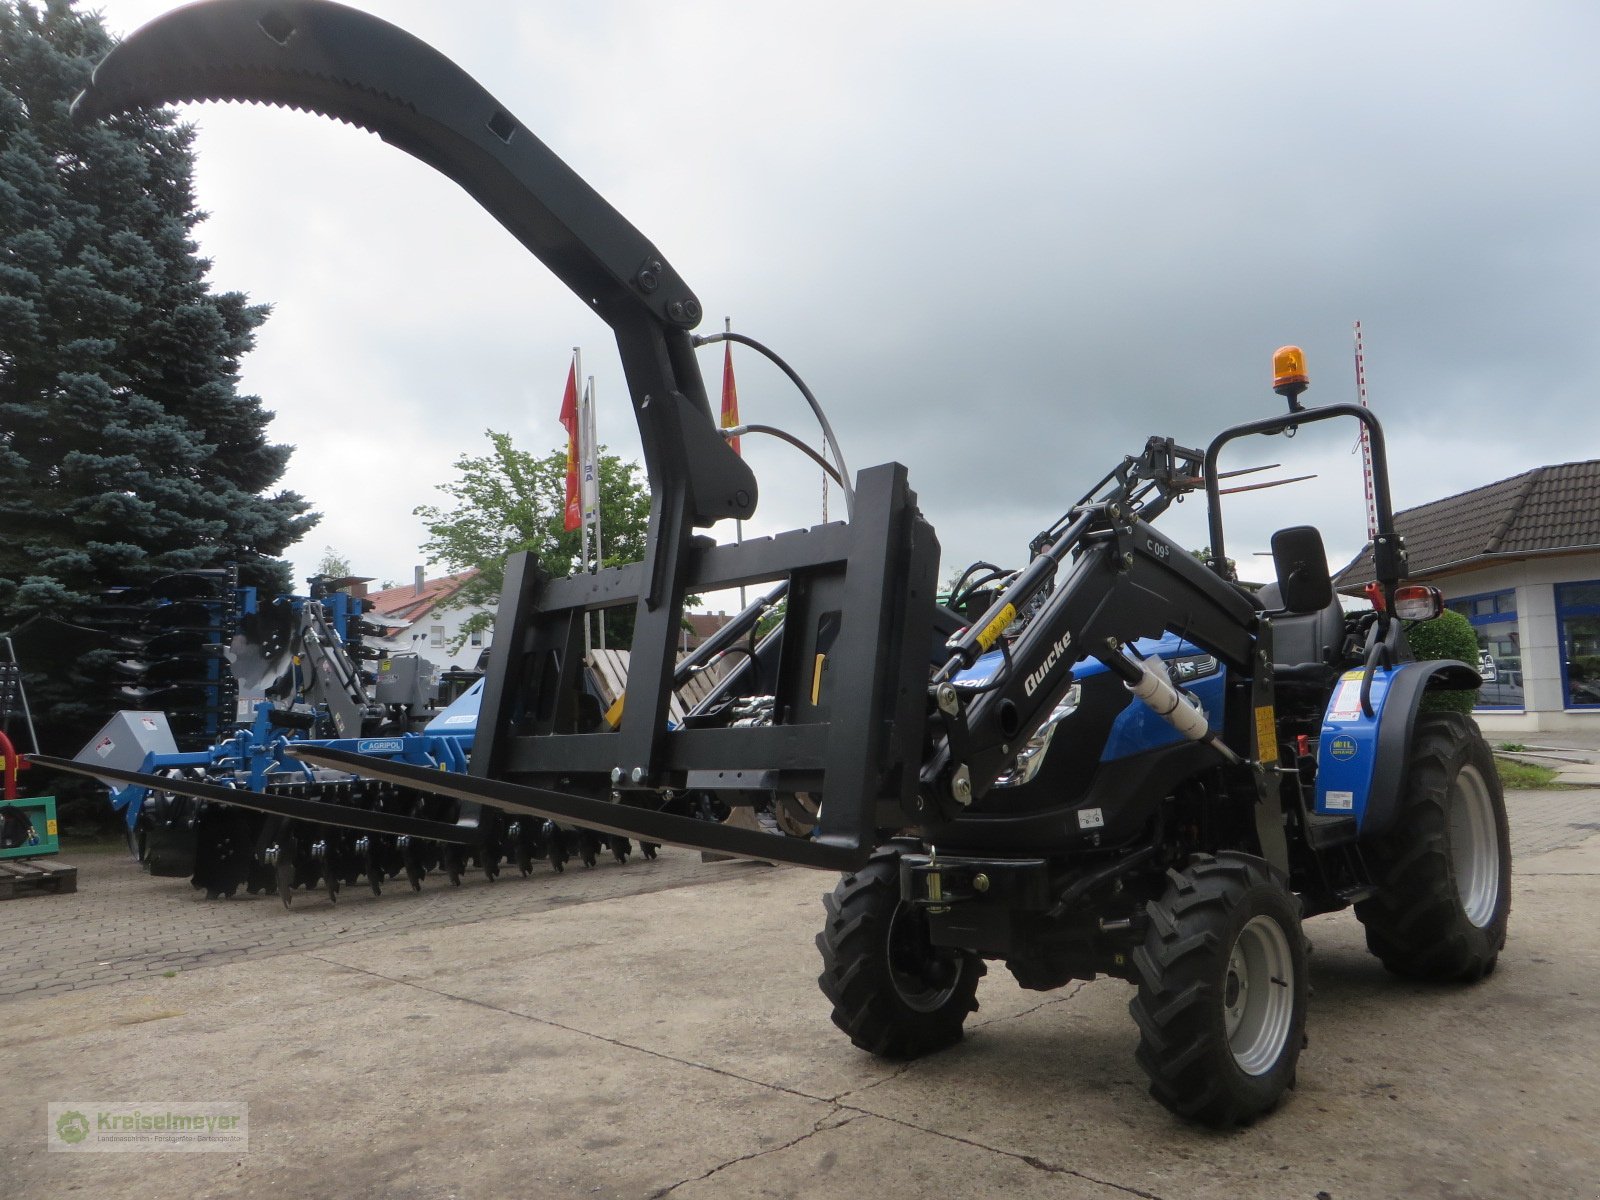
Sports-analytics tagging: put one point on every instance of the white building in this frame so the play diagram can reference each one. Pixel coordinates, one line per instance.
(1520, 559)
(427, 625)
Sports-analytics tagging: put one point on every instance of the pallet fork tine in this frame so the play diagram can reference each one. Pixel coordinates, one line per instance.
(461, 833)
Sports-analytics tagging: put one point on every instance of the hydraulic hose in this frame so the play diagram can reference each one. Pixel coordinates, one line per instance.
(822, 417)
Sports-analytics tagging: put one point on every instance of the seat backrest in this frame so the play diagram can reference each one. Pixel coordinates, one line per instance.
(1304, 585)
(1307, 618)
(1300, 638)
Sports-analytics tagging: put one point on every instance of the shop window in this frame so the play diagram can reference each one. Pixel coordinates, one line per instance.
(1578, 624)
(1494, 620)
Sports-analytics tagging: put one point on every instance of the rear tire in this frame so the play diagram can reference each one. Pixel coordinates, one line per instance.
(1221, 1007)
(894, 993)
(1444, 867)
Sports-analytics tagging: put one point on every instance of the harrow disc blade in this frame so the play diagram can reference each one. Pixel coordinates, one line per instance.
(284, 870)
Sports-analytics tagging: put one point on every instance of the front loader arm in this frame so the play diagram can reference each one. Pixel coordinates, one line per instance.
(1127, 582)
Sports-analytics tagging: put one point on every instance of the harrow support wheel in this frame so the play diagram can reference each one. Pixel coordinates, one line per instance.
(1222, 996)
(894, 993)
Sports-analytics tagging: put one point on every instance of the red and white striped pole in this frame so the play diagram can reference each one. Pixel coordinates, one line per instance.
(1366, 440)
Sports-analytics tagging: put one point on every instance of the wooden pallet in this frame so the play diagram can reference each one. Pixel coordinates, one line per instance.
(30, 877)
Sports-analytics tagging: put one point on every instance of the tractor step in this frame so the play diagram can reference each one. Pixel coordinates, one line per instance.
(1325, 832)
(28, 877)
(1355, 895)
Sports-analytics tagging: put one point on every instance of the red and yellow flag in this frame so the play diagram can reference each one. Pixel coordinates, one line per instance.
(730, 395)
(569, 418)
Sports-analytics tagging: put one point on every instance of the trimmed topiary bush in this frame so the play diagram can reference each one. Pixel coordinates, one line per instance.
(1449, 635)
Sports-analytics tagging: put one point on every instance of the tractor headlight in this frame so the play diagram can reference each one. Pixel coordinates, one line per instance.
(1031, 757)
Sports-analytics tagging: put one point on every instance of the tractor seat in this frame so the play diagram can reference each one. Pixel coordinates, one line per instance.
(1303, 609)
(1302, 640)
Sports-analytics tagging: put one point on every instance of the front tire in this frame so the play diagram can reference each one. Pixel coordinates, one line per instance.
(1221, 1007)
(893, 992)
(1444, 868)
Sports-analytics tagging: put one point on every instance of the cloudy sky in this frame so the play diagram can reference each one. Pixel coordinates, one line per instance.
(1003, 243)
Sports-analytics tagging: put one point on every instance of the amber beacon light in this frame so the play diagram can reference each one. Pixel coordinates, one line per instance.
(1289, 374)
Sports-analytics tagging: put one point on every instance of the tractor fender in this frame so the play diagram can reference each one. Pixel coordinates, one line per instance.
(1396, 725)
(1361, 767)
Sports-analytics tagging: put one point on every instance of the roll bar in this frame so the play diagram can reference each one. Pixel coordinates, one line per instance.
(1388, 551)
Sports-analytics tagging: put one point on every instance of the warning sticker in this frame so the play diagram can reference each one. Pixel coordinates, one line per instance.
(1346, 702)
(1266, 734)
(1091, 818)
(990, 633)
(104, 747)
(1340, 801)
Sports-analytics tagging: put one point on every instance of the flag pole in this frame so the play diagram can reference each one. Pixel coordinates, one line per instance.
(824, 482)
(593, 496)
(738, 525)
(583, 516)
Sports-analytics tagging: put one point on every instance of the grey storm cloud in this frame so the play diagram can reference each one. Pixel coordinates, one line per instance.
(1003, 243)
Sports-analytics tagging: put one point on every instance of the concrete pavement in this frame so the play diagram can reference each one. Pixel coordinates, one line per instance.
(671, 1041)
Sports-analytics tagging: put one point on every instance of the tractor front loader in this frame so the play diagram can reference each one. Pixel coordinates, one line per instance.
(1112, 760)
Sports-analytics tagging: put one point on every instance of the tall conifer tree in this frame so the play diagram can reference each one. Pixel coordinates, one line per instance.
(126, 450)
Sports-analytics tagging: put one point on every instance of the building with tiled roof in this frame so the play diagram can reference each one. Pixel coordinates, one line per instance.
(420, 619)
(1520, 559)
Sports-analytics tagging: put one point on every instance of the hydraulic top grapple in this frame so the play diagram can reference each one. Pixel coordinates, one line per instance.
(1111, 760)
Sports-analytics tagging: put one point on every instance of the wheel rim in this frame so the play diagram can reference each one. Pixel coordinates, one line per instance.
(924, 976)
(1258, 995)
(1474, 846)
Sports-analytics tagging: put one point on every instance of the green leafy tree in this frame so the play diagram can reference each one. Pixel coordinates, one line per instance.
(508, 501)
(333, 564)
(126, 450)
(1204, 555)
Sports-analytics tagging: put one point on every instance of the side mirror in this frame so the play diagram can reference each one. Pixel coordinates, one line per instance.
(1418, 602)
(1302, 567)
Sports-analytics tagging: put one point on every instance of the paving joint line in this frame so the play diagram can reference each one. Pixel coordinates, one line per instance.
(817, 1127)
(553, 1024)
(1061, 999)
(836, 1106)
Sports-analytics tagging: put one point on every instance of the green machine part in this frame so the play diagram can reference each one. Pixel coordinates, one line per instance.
(28, 828)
